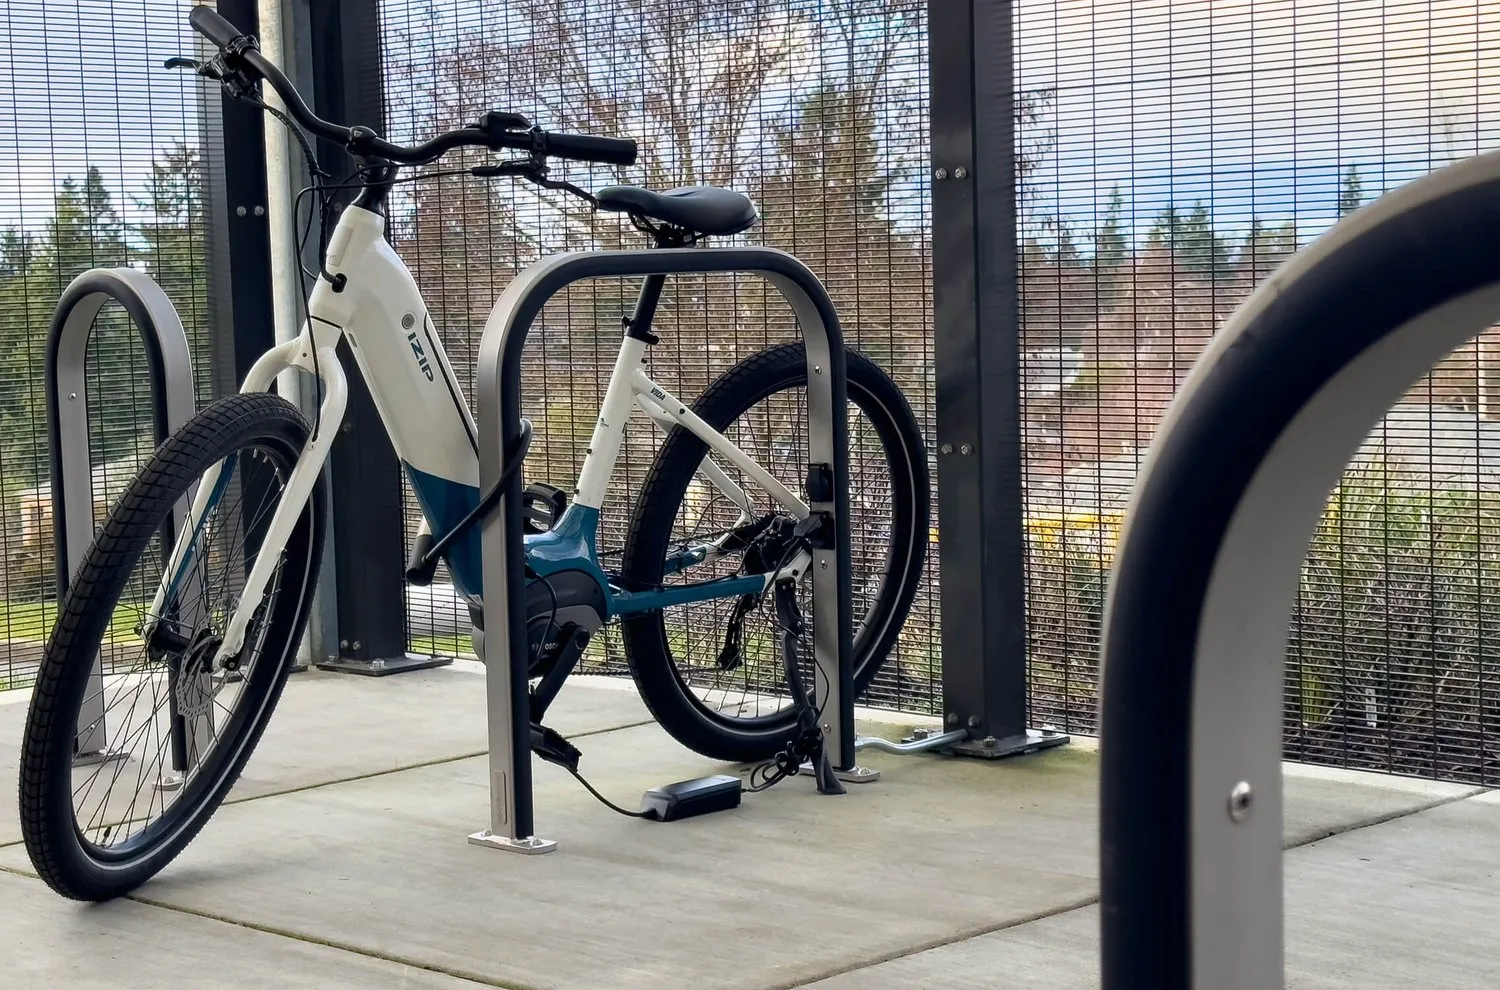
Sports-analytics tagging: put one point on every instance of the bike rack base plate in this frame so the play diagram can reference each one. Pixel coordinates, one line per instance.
(1031, 741)
(531, 846)
(383, 666)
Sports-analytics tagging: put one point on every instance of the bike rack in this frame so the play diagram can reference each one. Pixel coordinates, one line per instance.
(498, 383)
(1209, 565)
(72, 493)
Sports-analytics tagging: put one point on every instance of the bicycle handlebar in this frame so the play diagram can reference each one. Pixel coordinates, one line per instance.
(211, 24)
(239, 51)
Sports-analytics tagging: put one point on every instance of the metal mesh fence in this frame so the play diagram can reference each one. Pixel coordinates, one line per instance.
(815, 109)
(1170, 156)
(99, 166)
(1174, 154)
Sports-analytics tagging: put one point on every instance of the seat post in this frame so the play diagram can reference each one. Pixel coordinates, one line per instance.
(639, 324)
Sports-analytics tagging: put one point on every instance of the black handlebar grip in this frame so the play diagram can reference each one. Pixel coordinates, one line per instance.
(207, 22)
(588, 148)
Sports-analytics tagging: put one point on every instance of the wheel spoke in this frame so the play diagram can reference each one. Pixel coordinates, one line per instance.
(721, 709)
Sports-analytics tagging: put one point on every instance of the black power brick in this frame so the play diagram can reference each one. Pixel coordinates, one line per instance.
(691, 798)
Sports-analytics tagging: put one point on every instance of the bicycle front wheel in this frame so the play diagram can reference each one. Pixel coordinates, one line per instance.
(734, 704)
(131, 743)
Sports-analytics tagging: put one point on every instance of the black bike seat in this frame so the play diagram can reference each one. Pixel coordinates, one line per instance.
(701, 209)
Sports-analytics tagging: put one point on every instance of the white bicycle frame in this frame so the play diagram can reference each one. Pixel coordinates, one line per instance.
(380, 311)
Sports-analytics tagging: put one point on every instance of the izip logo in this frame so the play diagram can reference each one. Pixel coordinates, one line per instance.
(416, 348)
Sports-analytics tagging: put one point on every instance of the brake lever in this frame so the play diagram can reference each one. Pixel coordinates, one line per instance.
(522, 168)
(182, 62)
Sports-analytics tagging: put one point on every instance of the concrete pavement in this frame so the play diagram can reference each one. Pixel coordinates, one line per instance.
(342, 861)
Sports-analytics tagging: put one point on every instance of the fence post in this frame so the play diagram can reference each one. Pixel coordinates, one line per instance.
(977, 319)
(238, 257)
(369, 555)
(283, 39)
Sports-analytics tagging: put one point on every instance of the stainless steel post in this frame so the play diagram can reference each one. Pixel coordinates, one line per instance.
(498, 385)
(67, 421)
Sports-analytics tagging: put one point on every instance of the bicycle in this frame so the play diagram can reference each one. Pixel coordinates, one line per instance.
(233, 638)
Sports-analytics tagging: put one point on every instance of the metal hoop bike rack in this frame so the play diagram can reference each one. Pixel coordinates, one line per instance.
(1209, 563)
(172, 403)
(498, 383)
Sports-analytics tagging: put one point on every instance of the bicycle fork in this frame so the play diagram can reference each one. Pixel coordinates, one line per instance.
(299, 488)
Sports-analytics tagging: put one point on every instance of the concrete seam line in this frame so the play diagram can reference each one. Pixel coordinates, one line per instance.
(938, 943)
(286, 933)
(436, 761)
(307, 939)
(1079, 905)
(1383, 819)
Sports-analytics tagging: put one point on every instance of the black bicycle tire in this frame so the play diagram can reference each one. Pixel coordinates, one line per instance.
(48, 825)
(647, 651)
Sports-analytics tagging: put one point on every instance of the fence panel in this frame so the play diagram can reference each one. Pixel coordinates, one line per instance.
(101, 164)
(1173, 154)
(815, 108)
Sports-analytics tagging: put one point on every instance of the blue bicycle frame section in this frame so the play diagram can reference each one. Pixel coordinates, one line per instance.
(226, 474)
(570, 545)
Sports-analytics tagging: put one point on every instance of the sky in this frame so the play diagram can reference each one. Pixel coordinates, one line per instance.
(1255, 107)
(82, 82)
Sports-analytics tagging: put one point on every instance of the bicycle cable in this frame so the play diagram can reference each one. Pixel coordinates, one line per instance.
(787, 763)
(650, 816)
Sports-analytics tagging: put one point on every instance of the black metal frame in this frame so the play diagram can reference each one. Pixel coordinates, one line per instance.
(977, 318)
(365, 473)
(239, 247)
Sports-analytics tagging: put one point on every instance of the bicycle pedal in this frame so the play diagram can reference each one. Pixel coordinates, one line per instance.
(550, 746)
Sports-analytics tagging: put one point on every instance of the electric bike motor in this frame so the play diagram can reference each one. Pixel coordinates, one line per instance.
(564, 609)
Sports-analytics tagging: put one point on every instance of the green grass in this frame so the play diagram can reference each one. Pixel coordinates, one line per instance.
(34, 620)
(442, 645)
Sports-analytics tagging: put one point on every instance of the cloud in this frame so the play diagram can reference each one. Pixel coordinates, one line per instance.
(1257, 104)
(85, 86)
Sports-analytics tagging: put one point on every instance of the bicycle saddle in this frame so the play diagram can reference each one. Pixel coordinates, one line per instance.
(702, 209)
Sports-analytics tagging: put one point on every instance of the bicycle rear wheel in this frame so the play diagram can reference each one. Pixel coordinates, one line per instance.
(98, 825)
(740, 711)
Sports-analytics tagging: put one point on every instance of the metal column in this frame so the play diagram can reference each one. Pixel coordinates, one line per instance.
(239, 250)
(977, 317)
(369, 556)
(283, 39)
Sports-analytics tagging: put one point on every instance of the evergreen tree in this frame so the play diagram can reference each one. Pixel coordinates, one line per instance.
(1110, 248)
(169, 241)
(1264, 248)
(85, 232)
(1192, 241)
(1351, 191)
